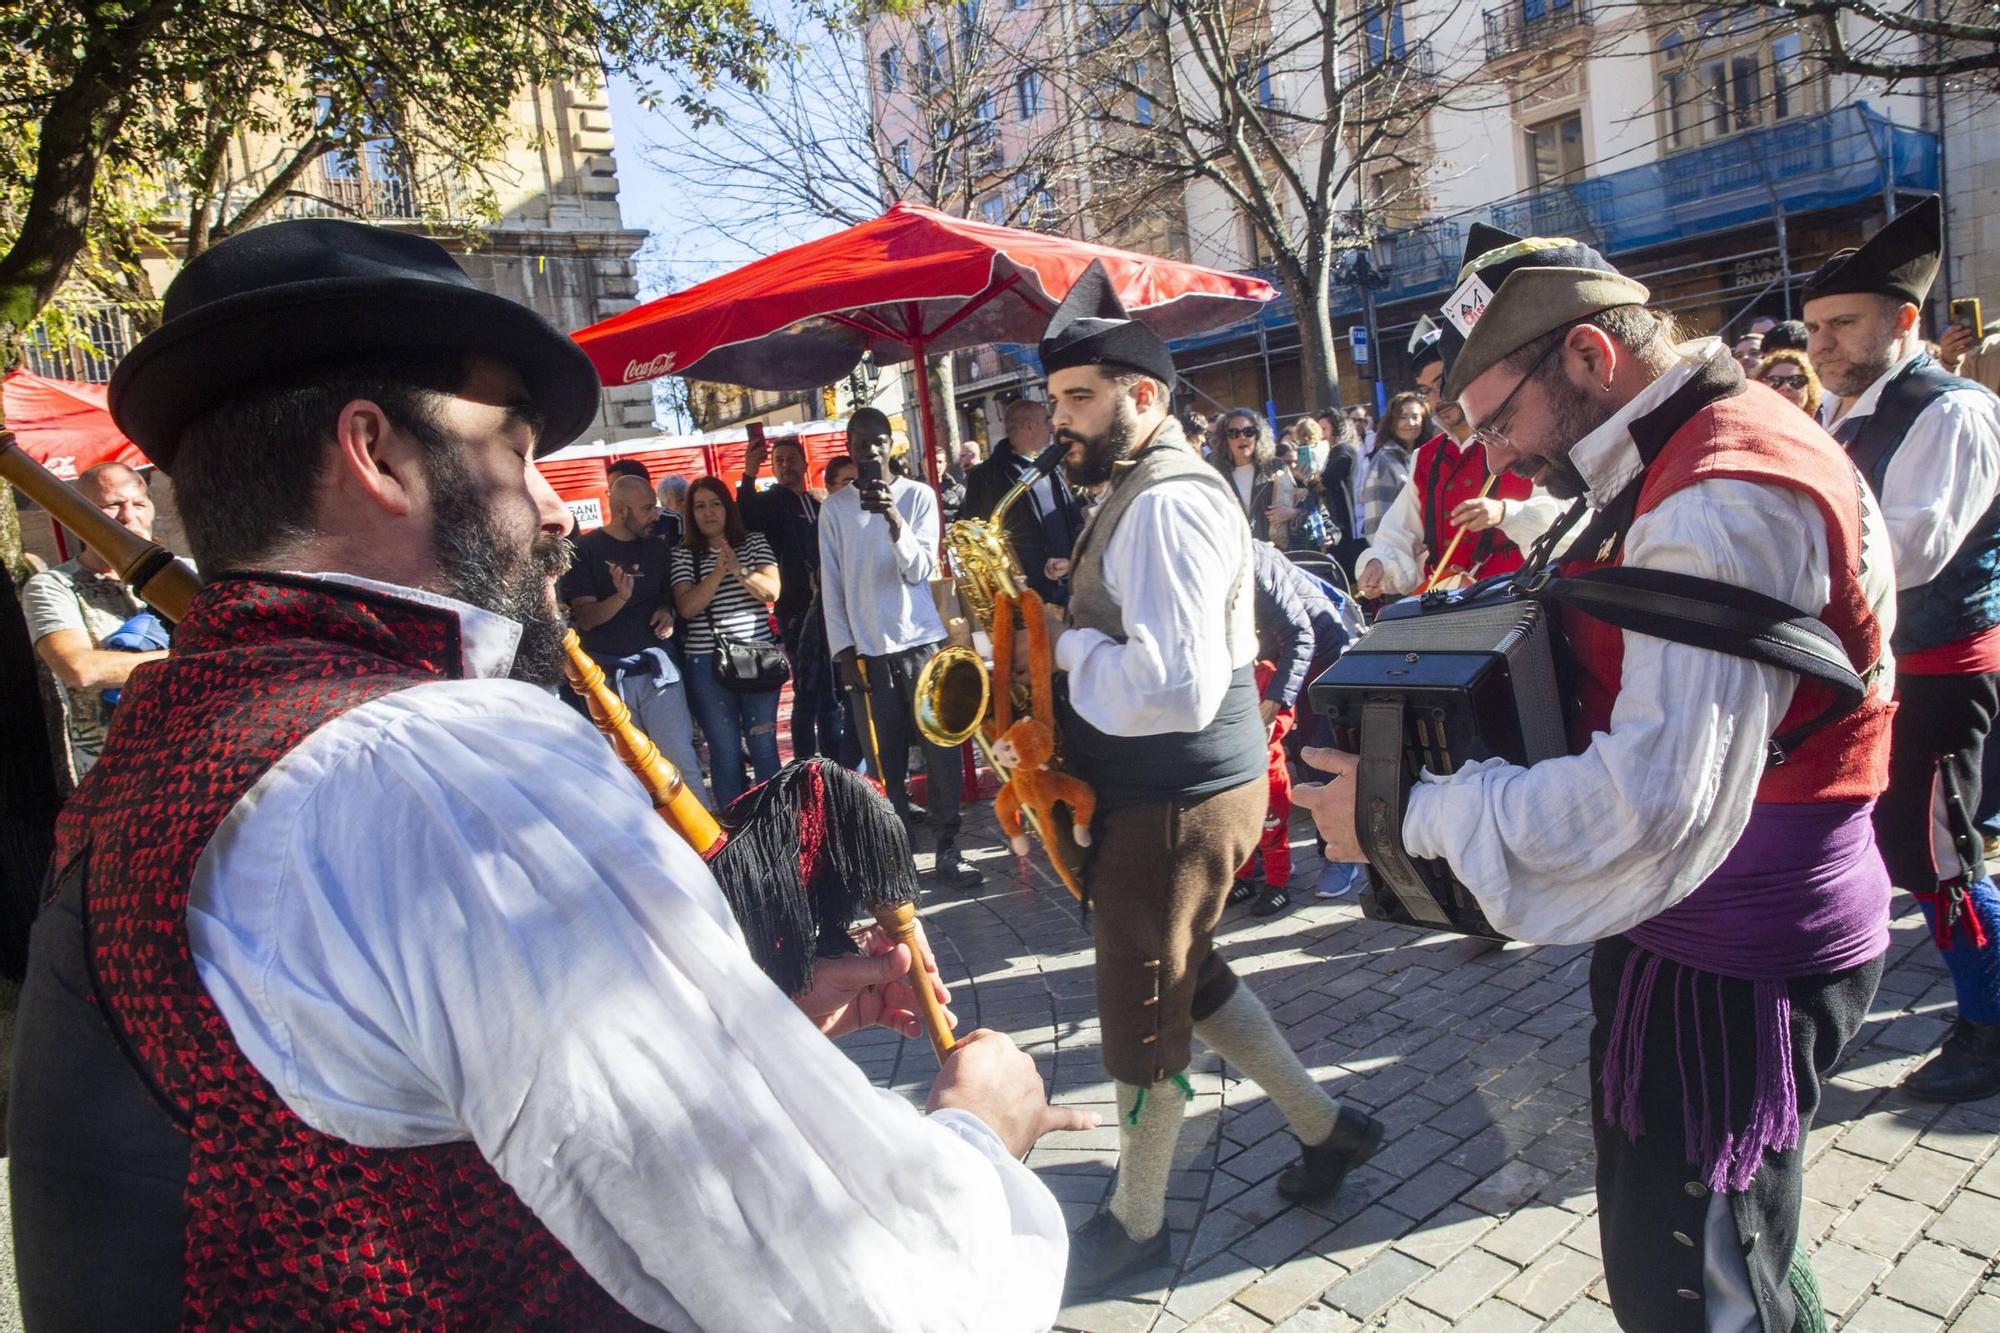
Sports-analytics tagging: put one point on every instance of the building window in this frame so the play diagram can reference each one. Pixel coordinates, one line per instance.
(1254, 248)
(1788, 75)
(1395, 199)
(892, 70)
(372, 178)
(1142, 101)
(1028, 94)
(930, 57)
(1555, 150)
(1382, 29)
(994, 210)
(969, 29)
(902, 158)
(1730, 77)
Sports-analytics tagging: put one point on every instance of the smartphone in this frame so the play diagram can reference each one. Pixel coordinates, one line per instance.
(868, 469)
(1965, 311)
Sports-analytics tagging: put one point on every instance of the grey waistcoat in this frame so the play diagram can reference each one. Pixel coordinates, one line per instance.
(1230, 750)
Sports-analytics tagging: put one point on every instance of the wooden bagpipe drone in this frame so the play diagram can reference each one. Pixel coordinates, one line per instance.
(1457, 677)
(799, 858)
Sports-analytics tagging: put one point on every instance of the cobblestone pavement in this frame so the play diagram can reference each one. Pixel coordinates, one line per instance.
(1478, 1212)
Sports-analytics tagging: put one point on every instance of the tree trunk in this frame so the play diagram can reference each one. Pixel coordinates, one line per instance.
(1319, 373)
(82, 121)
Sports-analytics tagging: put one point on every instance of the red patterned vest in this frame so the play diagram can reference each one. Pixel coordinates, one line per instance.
(1713, 427)
(282, 1225)
(1446, 475)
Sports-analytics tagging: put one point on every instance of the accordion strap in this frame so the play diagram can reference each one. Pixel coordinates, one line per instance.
(1723, 618)
(1381, 789)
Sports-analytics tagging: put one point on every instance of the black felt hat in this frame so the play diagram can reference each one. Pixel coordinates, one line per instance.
(1091, 328)
(311, 291)
(1899, 261)
(1423, 345)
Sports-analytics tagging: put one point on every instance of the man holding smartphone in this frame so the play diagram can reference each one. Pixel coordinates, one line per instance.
(1928, 445)
(878, 548)
(1967, 350)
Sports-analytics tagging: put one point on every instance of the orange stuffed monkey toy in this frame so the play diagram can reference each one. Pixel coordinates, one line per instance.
(1026, 747)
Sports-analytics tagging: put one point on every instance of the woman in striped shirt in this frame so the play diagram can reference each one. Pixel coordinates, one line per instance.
(724, 580)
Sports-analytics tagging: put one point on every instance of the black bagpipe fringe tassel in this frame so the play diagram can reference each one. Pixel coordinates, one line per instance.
(806, 854)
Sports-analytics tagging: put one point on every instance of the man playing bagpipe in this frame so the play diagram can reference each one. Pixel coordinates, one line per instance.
(1710, 829)
(372, 993)
(1158, 647)
(1454, 520)
(1929, 445)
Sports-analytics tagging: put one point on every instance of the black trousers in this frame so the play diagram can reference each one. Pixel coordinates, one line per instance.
(1652, 1204)
(817, 718)
(892, 691)
(1936, 740)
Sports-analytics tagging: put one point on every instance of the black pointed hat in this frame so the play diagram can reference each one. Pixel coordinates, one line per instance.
(1423, 346)
(1899, 261)
(1091, 328)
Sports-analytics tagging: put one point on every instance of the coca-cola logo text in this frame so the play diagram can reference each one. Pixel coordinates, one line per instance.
(645, 370)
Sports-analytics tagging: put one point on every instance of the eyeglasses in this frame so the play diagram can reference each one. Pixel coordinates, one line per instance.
(1241, 432)
(1490, 435)
(1786, 381)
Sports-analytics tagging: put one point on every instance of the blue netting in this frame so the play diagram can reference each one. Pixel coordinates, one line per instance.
(1840, 157)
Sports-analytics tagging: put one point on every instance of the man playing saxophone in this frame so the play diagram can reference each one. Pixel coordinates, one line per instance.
(1158, 646)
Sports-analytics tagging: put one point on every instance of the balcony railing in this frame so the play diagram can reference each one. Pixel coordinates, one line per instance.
(1415, 63)
(1526, 24)
(390, 197)
(90, 344)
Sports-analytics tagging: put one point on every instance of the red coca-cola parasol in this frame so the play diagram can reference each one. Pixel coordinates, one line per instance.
(909, 284)
(64, 425)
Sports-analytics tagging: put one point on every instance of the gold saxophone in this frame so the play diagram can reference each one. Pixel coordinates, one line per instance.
(955, 688)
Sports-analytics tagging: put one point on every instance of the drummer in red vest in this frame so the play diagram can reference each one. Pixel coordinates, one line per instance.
(1453, 512)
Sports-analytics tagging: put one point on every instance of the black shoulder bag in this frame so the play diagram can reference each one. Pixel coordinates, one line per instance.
(747, 666)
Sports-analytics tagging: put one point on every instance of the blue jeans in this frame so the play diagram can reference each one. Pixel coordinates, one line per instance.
(730, 721)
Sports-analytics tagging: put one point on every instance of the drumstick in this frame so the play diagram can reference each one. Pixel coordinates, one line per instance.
(1443, 565)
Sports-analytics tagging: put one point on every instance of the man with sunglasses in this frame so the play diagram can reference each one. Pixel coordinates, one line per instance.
(1738, 907)
(1448, 492)
(1929, 445)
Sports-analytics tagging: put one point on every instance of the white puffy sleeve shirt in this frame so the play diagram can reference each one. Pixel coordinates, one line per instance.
(452, 915)
(1589, 845)
(1169, 565)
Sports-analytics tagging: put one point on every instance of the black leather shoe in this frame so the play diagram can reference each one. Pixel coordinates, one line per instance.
(1102, 1251)
(1323, 1166)
(913, 816)
(954, 868)
(1965, 1069)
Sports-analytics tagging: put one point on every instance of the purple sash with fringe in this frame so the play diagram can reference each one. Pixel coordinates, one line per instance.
(1803, 893)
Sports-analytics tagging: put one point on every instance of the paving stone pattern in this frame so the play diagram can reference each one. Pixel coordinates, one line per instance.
(1479, 1212)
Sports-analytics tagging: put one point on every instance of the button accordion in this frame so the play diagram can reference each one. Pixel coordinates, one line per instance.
(1437, 683)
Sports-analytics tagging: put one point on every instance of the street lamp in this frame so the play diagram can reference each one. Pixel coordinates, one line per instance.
(1370, 272)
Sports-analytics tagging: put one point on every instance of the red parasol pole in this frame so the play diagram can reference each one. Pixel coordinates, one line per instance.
(925, 410)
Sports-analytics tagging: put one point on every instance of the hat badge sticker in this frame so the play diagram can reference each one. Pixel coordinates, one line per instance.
(1464, 306)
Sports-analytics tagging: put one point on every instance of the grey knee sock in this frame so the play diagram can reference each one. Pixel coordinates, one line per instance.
(1146, 1142)
(1243, 1033)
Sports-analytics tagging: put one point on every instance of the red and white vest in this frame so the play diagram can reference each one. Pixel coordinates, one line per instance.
(1446, 475)
(1713, 429)
(274, 1223)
